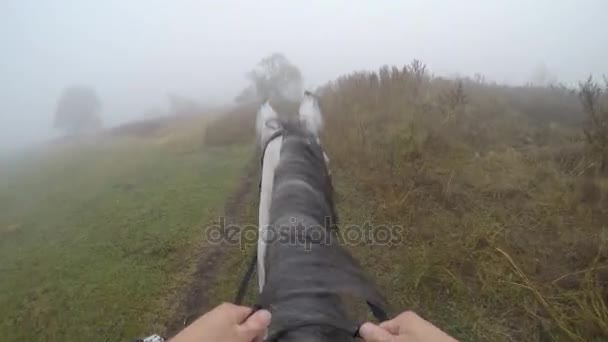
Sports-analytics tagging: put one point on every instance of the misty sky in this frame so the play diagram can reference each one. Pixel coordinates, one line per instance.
(134, 52)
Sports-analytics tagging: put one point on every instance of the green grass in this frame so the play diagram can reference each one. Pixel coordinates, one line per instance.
(93, 238)
(237, 260)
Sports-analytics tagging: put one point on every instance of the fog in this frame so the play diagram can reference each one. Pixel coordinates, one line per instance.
(133, 53)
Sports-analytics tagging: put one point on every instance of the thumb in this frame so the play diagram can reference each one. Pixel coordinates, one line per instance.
(255, 325)
(373, 333)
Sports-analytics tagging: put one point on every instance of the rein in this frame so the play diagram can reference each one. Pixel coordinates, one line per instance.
(276, 134)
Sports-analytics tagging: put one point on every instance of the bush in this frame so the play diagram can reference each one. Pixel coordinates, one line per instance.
(594, 101)
(232, 127)
(78, 110)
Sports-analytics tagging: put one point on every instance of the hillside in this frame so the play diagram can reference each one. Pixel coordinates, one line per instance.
(99, 236)
(503, 215)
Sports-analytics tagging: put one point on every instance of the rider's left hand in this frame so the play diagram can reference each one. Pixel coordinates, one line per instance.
(227, 322)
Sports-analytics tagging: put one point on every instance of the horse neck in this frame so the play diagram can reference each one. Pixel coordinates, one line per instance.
(299, 191)
(304, 286)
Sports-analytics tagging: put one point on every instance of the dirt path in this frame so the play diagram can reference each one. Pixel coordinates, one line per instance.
(195, 299)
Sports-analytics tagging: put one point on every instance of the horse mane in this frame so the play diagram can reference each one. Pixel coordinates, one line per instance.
(308, 271)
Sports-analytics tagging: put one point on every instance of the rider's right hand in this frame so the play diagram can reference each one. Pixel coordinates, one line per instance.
(227, 323)
(407, 327)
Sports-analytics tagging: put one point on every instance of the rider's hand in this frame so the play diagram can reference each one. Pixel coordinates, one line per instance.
(227, 322)
(407, 327)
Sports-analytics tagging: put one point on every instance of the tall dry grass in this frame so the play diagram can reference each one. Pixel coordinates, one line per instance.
(505, 227)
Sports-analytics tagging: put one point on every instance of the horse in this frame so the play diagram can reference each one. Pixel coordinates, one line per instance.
(305, 275)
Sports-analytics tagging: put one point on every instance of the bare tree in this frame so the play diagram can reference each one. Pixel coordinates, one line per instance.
(453, 102)
(542, 76)
(274, 77)
(78, 110)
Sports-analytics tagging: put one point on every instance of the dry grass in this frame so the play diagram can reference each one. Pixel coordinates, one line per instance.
(505, 227)
(235, 126)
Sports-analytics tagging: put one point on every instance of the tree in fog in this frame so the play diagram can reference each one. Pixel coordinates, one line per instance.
(153, 113)
(78, 110)
(542, 76)
(182, 105)
(274, 77)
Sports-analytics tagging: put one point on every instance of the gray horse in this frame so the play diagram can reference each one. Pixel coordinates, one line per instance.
(306, 278)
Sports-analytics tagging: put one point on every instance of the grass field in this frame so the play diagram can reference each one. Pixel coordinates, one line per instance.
(96, 237)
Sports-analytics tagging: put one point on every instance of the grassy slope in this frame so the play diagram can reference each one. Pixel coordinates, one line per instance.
(504, 230)
(93, 239)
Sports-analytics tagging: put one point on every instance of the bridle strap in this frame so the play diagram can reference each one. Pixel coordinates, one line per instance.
(272, 137)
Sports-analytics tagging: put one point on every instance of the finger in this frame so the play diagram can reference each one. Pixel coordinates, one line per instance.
(255, 326)
(237, 314)
(373, 333)
(391, 326)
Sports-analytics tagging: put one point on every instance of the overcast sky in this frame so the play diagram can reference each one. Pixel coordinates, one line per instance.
(134, 52)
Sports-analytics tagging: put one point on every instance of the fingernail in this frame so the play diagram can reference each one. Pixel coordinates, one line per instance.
(264, 315)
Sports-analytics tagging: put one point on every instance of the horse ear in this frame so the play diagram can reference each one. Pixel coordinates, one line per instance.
(310, 113)
(265, 114)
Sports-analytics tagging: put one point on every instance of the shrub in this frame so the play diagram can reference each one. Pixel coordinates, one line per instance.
(593, 99)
